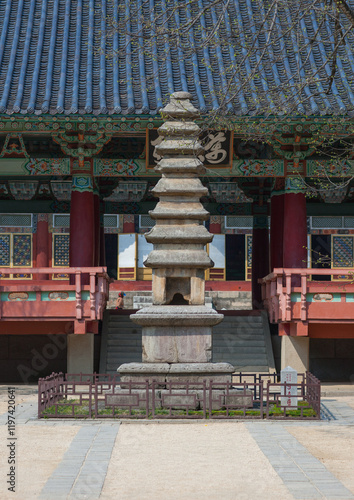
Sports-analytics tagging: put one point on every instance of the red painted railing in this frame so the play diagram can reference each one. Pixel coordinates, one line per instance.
(54, 299)
(290, 295)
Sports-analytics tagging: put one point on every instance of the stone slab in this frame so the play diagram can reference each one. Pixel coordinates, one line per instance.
(181, 398)
(201, 368)
(193, 373)
(134, 397)
(139, 373)
(197, 373)
(175, 315)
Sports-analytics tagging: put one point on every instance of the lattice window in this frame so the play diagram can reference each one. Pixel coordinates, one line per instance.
(146, 221)
(240, 222)
(22, 250)
(15, 252)
(16, 220)
(342, 251)
(111, 220)
(61, 250)
(5, 245)
(327, 222)
(61, 220)
(349, 222)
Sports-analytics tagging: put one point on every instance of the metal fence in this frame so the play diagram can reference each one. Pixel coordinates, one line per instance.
(249, 396)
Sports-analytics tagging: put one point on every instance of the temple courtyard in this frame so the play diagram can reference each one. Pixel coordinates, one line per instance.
(199, 460)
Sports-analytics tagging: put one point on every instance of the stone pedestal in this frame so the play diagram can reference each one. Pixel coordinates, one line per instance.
(177, 334)
(162, 373)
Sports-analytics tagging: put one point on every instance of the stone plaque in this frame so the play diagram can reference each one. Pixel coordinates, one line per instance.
(288, 393)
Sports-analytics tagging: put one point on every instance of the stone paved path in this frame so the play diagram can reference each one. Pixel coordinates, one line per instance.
(302, 473)
(337, 412)
(82, 471)
(74, 460)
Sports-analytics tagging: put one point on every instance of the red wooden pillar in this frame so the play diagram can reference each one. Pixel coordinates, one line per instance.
(102, 261)
(42, 246)
(276, 229)
(260, 257)
(82, 237)
(295, 230)
(96, 206)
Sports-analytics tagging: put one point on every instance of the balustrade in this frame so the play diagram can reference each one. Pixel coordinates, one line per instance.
(54, 299)
(290, 295)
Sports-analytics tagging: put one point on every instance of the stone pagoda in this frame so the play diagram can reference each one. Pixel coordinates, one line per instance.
(177, 328)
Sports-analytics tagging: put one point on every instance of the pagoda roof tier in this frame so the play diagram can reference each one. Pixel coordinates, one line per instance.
(180, 187)
(179, 210)
(61, 57)
(182, 257)
(179, 234)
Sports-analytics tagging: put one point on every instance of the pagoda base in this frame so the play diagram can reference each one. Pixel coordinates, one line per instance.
(162, 373)
(180, 385)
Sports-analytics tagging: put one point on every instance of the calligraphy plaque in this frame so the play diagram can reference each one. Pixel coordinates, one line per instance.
(217, 145)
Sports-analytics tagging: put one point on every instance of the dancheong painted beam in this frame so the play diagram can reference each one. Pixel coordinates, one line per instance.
(136, 168)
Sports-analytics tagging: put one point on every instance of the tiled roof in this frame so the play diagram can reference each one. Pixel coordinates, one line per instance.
(63, 56)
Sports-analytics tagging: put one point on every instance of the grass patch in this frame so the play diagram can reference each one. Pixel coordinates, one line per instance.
(307, 410)
(73, 408)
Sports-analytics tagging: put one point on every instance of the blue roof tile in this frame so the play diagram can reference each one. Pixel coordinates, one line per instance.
(66, 57)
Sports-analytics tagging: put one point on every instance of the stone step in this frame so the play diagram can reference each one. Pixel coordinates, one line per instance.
(238, 324)
(125, 330)
(127, 336)
(229, 337)
(241, 320)
(252, 369)
(119, 355)
(235, 346)
(242, 349)
(135, 340)
(241, 360)
(238, 329)
(125, 327)
(116, 323)
(124, 348)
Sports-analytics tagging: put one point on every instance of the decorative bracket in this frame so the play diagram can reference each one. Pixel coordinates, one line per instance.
(81, 145)
(14, 147)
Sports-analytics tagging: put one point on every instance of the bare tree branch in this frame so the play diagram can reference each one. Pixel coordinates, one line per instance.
(344, 8)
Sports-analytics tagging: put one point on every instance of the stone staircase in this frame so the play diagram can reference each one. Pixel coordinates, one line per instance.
(121, 341)
(242, 340)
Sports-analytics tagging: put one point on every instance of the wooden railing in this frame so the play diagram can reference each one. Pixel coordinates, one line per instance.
(290, 295)
(54, 299)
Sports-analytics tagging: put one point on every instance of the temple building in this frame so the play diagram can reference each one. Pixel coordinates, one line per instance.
(79, 113)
